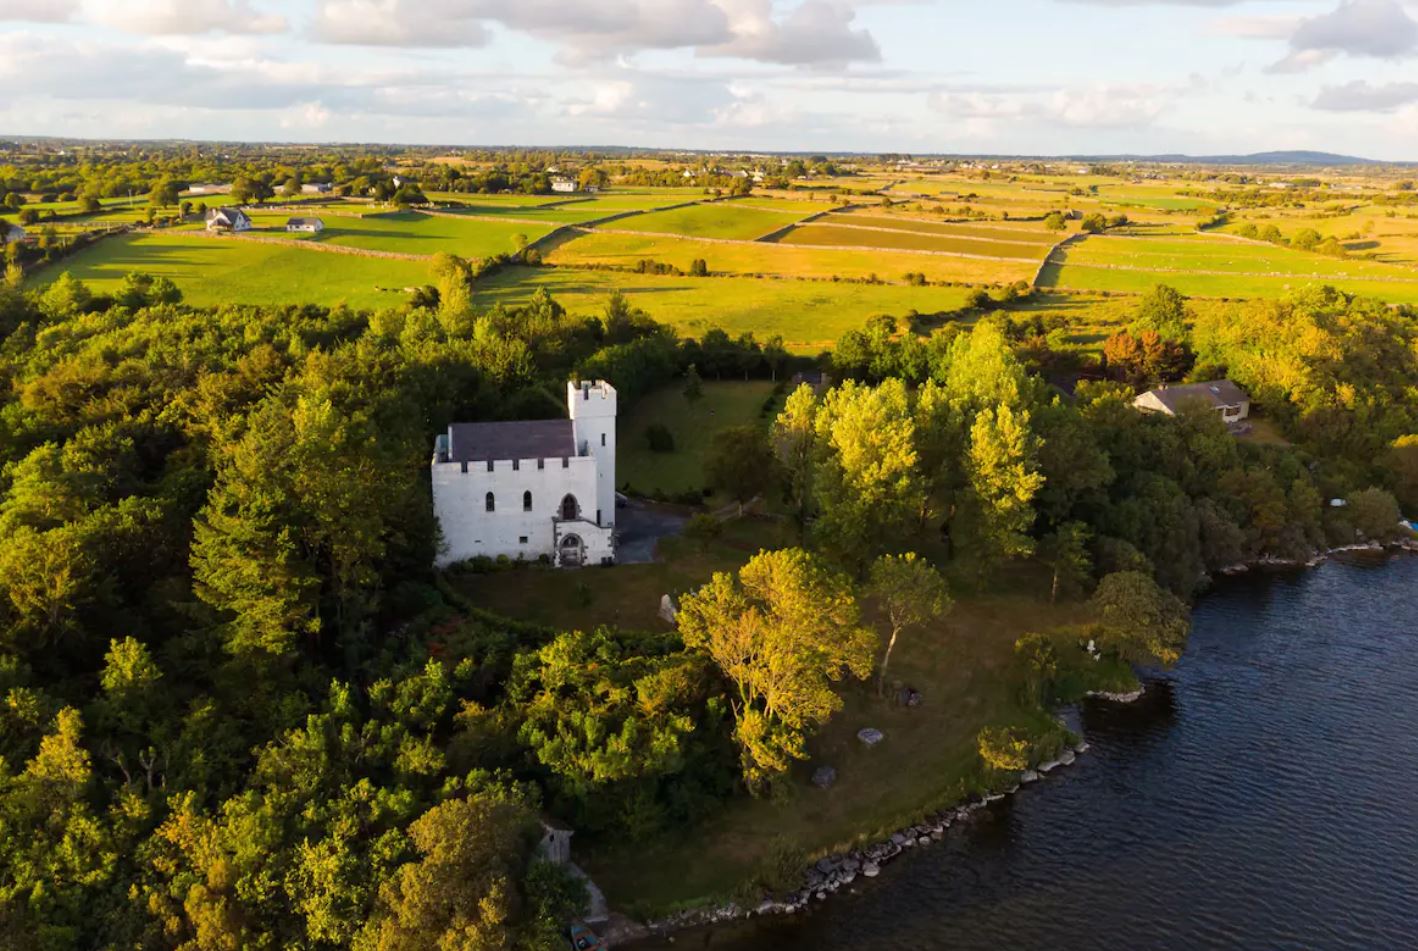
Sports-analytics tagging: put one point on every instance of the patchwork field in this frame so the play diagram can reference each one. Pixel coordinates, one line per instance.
(729, 220)
(1214, 266)
(212, 271)
(1031, 233)
(830, 234)
(408, 232)
(808, 315)
(625, 250)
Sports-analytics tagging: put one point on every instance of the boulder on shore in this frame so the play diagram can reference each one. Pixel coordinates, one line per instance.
(870, 735)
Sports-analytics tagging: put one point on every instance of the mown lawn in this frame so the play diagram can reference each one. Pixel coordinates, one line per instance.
(962, 667)
(808, 315)
(627, 250)
(692, 424)
(725, 219)
(212, 271)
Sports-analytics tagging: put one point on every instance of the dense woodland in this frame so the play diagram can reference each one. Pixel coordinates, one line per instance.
(242, 711)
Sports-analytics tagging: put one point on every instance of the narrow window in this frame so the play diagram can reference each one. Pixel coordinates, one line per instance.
(541, 463)
(489, 465)
(521, 539)
(516, 465)
(465, 467)
(491, 503)
(565, 463)
(603, 439)
(526, 501)
(598, 516)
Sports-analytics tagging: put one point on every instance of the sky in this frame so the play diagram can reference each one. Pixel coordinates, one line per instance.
(1037, 77)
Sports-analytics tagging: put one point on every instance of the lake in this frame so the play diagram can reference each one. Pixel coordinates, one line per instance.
(1262, 795)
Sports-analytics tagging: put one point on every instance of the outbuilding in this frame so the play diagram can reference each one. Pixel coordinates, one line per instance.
(307, 225)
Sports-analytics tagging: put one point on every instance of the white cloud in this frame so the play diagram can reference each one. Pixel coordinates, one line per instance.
(1380, 28)
(183, 17)
(38, 11)
(1101, 106)
(1360, 96)
(811, 33)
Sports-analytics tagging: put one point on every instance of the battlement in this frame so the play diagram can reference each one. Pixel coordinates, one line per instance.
(587, 398)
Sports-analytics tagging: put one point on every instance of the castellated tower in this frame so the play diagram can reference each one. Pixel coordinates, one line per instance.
(591, 406)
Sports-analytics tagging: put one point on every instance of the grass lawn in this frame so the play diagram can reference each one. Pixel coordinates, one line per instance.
(411, 232)
(627, 250)
(809, 315)
(1030, 233)
(962, 667)
(213, 271)
(725, 219)
(693, 425)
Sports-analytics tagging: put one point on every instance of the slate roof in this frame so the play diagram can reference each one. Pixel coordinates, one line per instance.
(1216, 392)
(528, 439)
(302, 222)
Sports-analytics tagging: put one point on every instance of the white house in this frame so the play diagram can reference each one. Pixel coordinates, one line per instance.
(563, 185)
(227, 219)
(315, 188)
(308, 225)
(533, 488)
(1225, 397)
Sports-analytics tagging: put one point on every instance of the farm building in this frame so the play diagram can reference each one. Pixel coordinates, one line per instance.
(227, 219)
(315, 188)
(538, 488)
(563, 185)
(308, 225)
(210, 188)
(1225, 397)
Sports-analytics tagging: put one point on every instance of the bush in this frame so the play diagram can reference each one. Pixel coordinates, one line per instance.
(659, 438)
(1375, 514)
(1004, 748)
(703, 527)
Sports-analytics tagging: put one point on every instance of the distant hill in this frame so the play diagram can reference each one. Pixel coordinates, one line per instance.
(1291, 157)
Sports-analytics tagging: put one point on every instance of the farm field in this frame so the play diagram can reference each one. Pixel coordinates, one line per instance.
(1384, 233)
(834, 235)
(212, 271)
(625, 250)
(728, 220)
(693, 425)
(404, 232)
(1208, 266)
(1032, 233)
(808, 315)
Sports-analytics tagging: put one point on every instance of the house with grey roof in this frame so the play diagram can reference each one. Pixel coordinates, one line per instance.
(307, 225)
(228, 219)
(1223, 396)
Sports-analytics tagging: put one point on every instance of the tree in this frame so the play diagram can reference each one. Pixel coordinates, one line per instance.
(164, 193)
(1093, 224)
(866, 484)
(782, 633)
(911, 594)
(462, 892)
(291, 188)
(693, 386)
(1375, 513)
(795, 441)
(1055, 221)
(1065, 551)
(1002, 466)
(1138, 620)
(740, 463)
(1162, 310)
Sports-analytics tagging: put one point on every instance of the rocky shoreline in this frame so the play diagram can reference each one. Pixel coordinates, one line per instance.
(835, 872)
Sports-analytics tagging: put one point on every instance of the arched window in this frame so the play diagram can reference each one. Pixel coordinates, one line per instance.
(527, 501)
(569, 508)
(491, 503)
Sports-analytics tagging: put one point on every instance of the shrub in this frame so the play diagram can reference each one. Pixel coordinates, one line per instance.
(1004, 748)
(703, 527)
(659, 438)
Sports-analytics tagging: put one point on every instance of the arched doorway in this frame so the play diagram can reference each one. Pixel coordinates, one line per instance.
(572, 552)
(569, 509)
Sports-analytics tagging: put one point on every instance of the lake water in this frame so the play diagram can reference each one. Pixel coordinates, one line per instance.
(1262, 795)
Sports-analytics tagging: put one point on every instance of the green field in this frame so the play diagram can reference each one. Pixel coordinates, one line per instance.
(213, 271)
(1210, 266)
(808, 315)
(693, 426)
(1026, 234)
(626, 251)
(729, 220)
(831, 235)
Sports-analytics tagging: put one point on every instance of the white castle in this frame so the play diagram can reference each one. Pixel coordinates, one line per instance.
(541, 487)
